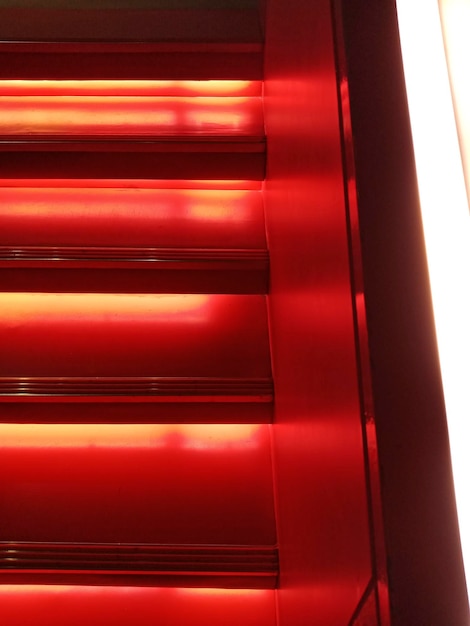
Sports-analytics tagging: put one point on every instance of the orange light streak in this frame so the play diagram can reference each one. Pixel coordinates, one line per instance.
(20, 307)
(128, 116)
(142, 436)
(130, 88)
(118, 590)
(97, 183)
(220, 592)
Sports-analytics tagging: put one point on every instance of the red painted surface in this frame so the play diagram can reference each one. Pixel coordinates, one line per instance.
(424, 562)
(199, 484)
(322, 509)
(66, 25)
(199, 357)
(134, 335)
(166, 118)
(136, 160)
(121, 606)
(125, 183)
(180, 88)
(137, 484)
(102, 239)
(129, 61)
(90, 357)
(125, 134)
(132, 217)
(39, 43)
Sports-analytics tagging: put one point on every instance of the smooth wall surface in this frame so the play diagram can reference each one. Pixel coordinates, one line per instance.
(323, 524)
(137, 484)
(425, 572)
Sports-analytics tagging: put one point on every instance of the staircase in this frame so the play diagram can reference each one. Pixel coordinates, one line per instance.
(135, 386)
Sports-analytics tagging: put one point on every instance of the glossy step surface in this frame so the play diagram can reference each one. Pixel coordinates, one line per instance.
(106, 503)
(43, 605)
(140, 129)
(173, 119)
(105, 239)
(156, 357)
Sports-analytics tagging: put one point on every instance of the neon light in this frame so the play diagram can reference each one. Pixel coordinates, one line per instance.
(446, 222)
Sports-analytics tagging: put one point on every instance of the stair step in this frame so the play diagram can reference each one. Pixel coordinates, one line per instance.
(173, 44)
(137, 394)
(175, 119)
(130, 136)
(160, 357)
(100, 504)
(132, 240)
(46, 605)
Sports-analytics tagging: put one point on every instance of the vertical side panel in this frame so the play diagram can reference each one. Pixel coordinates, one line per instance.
(425, 571)
(321, 487)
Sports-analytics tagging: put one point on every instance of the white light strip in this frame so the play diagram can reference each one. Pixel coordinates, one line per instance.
(455, 19)
(446, 222)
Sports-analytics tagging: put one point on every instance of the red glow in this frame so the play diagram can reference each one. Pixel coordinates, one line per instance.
(130, 116)
(130, 88)
(20, 307)
(184, 335)
(43, 605)
(96, 183)
(157, 218)
(165, 484)
(184, 436)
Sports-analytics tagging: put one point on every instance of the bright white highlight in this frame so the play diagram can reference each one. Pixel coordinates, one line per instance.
(446, 222)
(455, 18)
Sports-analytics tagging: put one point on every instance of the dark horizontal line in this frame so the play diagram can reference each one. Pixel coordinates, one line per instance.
(130, 387)
(137, 254)
(99, 143)
(138, 557)
(137, 47)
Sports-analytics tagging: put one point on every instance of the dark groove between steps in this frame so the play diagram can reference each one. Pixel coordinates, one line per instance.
(233, 390)
(156, 557)
(247, 567)
(135, 254)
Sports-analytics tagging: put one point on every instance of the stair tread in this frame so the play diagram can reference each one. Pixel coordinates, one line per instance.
(43, 605)
(132, 357)
(178, 336)
(100, 491)
(170, 118)
(186, 239)
(122, 222)
(114, 401)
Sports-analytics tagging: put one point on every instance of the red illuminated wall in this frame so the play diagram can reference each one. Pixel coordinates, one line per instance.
(327, 561)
